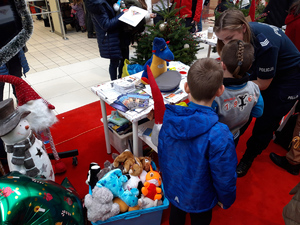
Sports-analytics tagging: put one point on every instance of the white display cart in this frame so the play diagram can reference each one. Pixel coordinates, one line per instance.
(108, 95)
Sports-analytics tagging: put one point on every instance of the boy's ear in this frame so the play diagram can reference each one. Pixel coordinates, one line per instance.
(220, 91)
(186, 88)
(223, 66)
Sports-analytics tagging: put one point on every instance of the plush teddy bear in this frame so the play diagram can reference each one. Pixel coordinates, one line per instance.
(100, 204)
(132, 164)
(114, 180)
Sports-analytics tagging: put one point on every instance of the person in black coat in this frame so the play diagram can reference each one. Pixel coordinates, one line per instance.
(113, 43)
(277, 11)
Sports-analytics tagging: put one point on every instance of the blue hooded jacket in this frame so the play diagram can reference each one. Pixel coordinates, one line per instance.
(197, 158)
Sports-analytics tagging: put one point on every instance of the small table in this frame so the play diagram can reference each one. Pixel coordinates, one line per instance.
(108, 95)
(202, 36)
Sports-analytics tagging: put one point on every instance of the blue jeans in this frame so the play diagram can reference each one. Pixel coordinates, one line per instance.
(200, 23)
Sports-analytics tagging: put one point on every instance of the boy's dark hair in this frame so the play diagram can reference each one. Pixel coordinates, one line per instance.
(204, 78)
(238, 57)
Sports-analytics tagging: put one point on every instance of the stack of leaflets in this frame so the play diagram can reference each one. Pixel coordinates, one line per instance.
(131, 101)
(123, 86)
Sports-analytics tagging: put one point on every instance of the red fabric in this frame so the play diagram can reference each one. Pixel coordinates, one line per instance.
(292, 29)
(252, 10)
(24, 92)
(261, 194)
(159, 105)
(187, 10)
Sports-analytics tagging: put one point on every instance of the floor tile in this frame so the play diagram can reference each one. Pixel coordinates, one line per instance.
(57, 87)
(73, 100)
(91, 77)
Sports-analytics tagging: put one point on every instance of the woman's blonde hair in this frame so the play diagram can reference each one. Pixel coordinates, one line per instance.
(231, 19)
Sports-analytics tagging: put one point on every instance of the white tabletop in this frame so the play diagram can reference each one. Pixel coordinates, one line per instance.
(107, 93)
(202, 36)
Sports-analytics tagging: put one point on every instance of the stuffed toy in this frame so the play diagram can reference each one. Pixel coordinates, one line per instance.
(132, 182)
(100, 205)
(92, 177)
(143, 176)
(159, 61)
(114, 181)
(132, 164)
(42, 115)
(124, 207)
(151, 187)
(159, 108)
(146, 162)
(25, 153)
(145, 203)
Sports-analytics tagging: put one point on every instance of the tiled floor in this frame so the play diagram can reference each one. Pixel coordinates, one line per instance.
(63, 71)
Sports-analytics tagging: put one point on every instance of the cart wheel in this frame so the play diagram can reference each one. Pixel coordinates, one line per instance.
(75, 161)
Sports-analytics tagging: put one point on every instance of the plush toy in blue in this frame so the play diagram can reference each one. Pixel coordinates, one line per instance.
(159, 61)
(114, 180)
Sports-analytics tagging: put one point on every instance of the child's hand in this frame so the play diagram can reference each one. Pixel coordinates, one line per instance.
(220, 204)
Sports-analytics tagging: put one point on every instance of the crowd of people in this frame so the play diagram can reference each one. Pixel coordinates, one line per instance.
(258, 75)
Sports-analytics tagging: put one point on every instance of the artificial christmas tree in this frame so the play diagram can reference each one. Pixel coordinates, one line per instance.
(181, 42)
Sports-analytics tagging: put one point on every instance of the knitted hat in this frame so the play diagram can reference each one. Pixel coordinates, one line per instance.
(24, 92)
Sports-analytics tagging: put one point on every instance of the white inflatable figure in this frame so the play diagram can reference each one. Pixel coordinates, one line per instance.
(25, 153)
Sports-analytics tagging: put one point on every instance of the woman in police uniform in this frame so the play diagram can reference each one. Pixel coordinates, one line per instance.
(276, 70)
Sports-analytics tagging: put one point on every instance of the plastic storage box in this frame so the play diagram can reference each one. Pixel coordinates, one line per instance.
(120, 142)
(151, 216)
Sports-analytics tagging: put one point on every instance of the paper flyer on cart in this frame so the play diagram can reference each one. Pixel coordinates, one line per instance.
(133, 16)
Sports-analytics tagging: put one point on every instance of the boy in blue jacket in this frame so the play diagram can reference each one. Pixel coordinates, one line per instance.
(196, 153)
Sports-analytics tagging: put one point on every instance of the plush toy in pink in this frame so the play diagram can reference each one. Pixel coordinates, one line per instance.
(41, 117)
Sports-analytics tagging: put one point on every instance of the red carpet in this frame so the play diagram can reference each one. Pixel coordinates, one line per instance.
(261, 194)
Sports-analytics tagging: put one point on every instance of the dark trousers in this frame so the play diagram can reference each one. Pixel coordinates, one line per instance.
(157, 19)
(89, 23)
(177, 217)
(188, 23)
(116, 65)
(14, 68)
(277, 104)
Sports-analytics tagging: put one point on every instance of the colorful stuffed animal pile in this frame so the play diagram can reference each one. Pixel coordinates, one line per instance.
(129, 180)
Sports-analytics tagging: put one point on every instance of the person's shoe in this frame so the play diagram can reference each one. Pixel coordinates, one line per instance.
(243, 167)
(282, 162)
(92, 36)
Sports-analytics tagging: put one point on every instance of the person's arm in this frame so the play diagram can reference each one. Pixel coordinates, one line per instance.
(155, 1)
(222, 163)
(198, 11)
(263, 84)
(258, 109)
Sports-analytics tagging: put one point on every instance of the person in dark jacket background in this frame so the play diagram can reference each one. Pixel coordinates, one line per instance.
(277, 10)
(113, 43)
